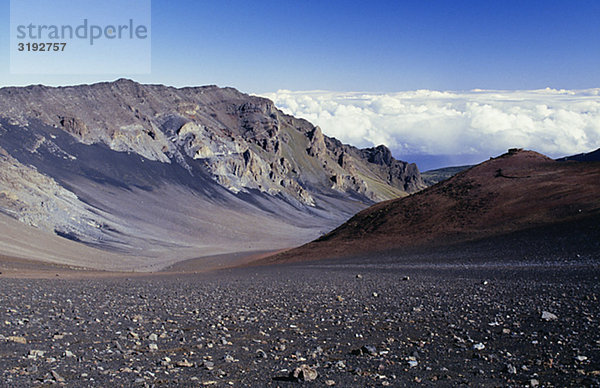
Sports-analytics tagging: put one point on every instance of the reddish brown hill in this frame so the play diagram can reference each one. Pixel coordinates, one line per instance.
(516, 191)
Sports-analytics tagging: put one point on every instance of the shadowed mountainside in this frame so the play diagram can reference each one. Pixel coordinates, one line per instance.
(518, 191)
(593, 156)
(438, 175)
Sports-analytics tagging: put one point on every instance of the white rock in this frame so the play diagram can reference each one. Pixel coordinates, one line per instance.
(479, 346)
(547, 316)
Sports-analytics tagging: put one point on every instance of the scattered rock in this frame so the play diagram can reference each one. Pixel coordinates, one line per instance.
(228, 358)
(548, 316)
(261, 353)
(58, 378)
(285, 320)
(304, 373)
(366, 349)
(184, 364)
(511, 369)
(209, 365)
(16, 339)
(34, 354)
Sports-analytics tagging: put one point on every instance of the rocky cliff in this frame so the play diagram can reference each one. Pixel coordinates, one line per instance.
(244, 141)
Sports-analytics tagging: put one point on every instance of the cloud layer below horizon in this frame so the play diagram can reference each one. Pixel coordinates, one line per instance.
(462, 124)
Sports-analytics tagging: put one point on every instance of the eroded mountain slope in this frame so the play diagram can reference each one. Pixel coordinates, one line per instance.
(155, 172)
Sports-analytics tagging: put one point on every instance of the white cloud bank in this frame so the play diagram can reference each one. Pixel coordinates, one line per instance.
(478, 122)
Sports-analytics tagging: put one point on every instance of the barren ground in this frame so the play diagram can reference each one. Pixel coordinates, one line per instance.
(420, 319)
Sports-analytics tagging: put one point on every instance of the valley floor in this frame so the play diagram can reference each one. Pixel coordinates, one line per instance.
(406, 323)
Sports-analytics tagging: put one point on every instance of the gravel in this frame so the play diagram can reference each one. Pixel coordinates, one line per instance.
(279, 326)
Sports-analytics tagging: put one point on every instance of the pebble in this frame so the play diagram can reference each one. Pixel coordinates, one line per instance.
(548, 316)
(34, 354)
(209, 365)
(184, 364)
(511, 369)
(17, 339)
(58, 378)
(304, 373)
(228, 358)
(369, 349)
(479, 346)
(261, 353)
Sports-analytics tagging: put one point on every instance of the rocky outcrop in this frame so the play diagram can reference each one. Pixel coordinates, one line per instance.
(316, 143)
(376, 164)
(74, 126)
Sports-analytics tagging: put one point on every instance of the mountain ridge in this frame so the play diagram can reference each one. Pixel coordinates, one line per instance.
(592, 156)
(151, 170)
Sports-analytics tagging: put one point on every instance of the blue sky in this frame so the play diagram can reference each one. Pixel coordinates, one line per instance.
(378, 46)
(382, 48)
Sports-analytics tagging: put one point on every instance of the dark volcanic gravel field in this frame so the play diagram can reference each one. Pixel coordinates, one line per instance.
(355, 325)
